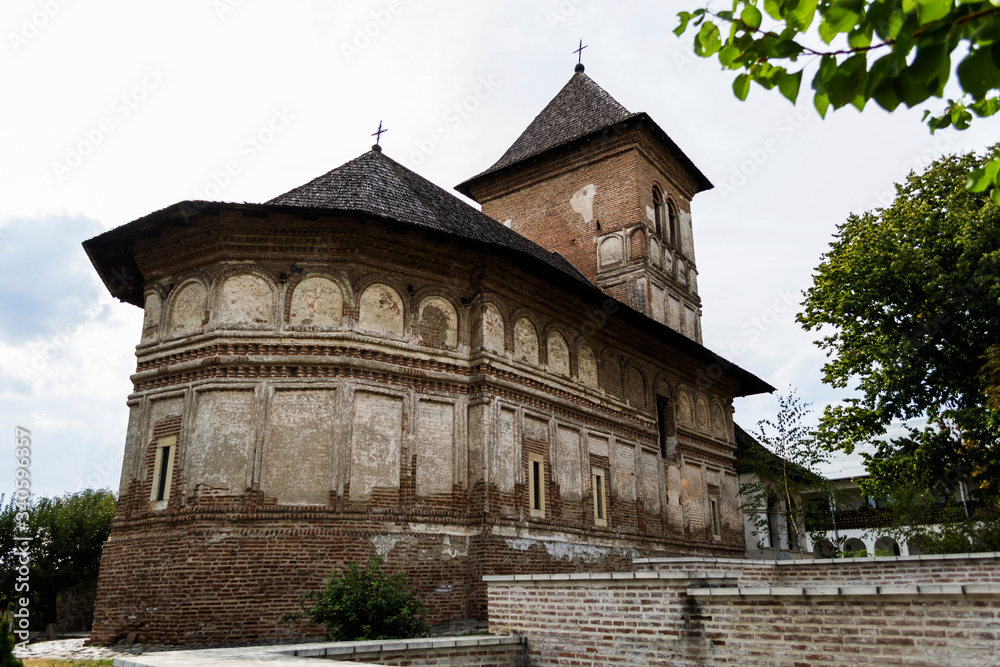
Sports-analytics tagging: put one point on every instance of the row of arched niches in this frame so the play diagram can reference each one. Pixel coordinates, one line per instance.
(250, 302)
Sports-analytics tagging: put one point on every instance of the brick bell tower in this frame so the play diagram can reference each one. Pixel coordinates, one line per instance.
(608, 190)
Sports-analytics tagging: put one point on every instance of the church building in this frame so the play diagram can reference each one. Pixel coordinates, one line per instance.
(367, 365)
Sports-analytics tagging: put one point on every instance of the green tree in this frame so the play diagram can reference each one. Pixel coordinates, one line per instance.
(890, 51)
(908, 299)
(920, 483)
(67, 535)
(784, 469)
(365, 603)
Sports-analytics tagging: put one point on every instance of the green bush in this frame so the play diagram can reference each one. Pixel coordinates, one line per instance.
(365, 603)
(7, 658)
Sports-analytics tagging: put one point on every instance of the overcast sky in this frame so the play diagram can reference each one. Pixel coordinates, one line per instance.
(114, 109)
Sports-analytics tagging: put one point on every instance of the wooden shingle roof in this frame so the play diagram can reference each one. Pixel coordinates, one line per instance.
(582, 108)
(378, 185)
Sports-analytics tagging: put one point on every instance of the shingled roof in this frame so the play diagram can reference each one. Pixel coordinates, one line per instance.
(378, 185)
(580, 109)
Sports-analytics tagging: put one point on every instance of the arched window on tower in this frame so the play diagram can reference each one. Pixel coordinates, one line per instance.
(673, 235)
(658, 212)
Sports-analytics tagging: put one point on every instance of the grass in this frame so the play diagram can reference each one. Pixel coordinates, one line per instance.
(52, 662)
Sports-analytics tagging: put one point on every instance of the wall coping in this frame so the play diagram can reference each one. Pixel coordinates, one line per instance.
(986, 555)
(302, 655)
(832, 591)
(612, 576)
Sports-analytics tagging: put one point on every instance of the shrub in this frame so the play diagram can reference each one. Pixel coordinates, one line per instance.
(365, 603)
(7, 658)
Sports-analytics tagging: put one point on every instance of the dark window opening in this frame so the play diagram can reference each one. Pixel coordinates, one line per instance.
(536, 485)
(161, 483)
(665, 425)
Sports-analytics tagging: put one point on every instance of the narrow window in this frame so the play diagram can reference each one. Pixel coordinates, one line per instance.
(714, 507)
(665, 424)
(163, 470)
(658, 211)
(536, 485)
(672, 232)
(600, 498)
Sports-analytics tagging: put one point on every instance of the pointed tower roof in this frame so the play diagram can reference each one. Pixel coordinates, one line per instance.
(580, 109)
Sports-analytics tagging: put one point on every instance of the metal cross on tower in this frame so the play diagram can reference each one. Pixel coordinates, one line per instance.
(378, 136)
(579, 58)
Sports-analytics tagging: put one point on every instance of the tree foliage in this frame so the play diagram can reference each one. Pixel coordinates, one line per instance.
(365, 603)
(909, 300)
(67, 534)
(890, 51)
(785, 469)
(920, 484)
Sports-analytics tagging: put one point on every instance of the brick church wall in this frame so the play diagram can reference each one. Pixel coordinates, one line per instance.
(274, 406)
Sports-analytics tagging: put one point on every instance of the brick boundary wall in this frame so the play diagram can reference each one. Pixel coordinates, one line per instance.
(465, 651)
(926, 610)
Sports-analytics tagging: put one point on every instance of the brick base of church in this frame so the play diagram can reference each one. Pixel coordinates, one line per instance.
(231, 578)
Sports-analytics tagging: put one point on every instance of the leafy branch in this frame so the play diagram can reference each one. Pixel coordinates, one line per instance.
(921, 36)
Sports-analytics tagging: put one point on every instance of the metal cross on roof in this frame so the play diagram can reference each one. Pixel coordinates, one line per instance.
(378, 134)
(579, 58)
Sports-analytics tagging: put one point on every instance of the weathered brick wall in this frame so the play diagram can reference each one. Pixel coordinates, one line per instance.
(725, 612)
(225, 579)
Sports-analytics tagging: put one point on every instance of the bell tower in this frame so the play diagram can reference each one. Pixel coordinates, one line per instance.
(608, 190)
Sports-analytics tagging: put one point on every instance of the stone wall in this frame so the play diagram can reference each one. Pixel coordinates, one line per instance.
(694, 612)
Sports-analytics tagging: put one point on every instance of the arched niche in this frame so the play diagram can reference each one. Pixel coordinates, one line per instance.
(610, 251)
(187, 312)
(636, 388)
(718, 422)
(558, 354)
(438, 323)
(685, 408)
(701, 414)
(525, 342)
(586, 367)
(654, 251)
(317, 302)
(493, 329)
(245, 300)
(380, 311)
(152, 312)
